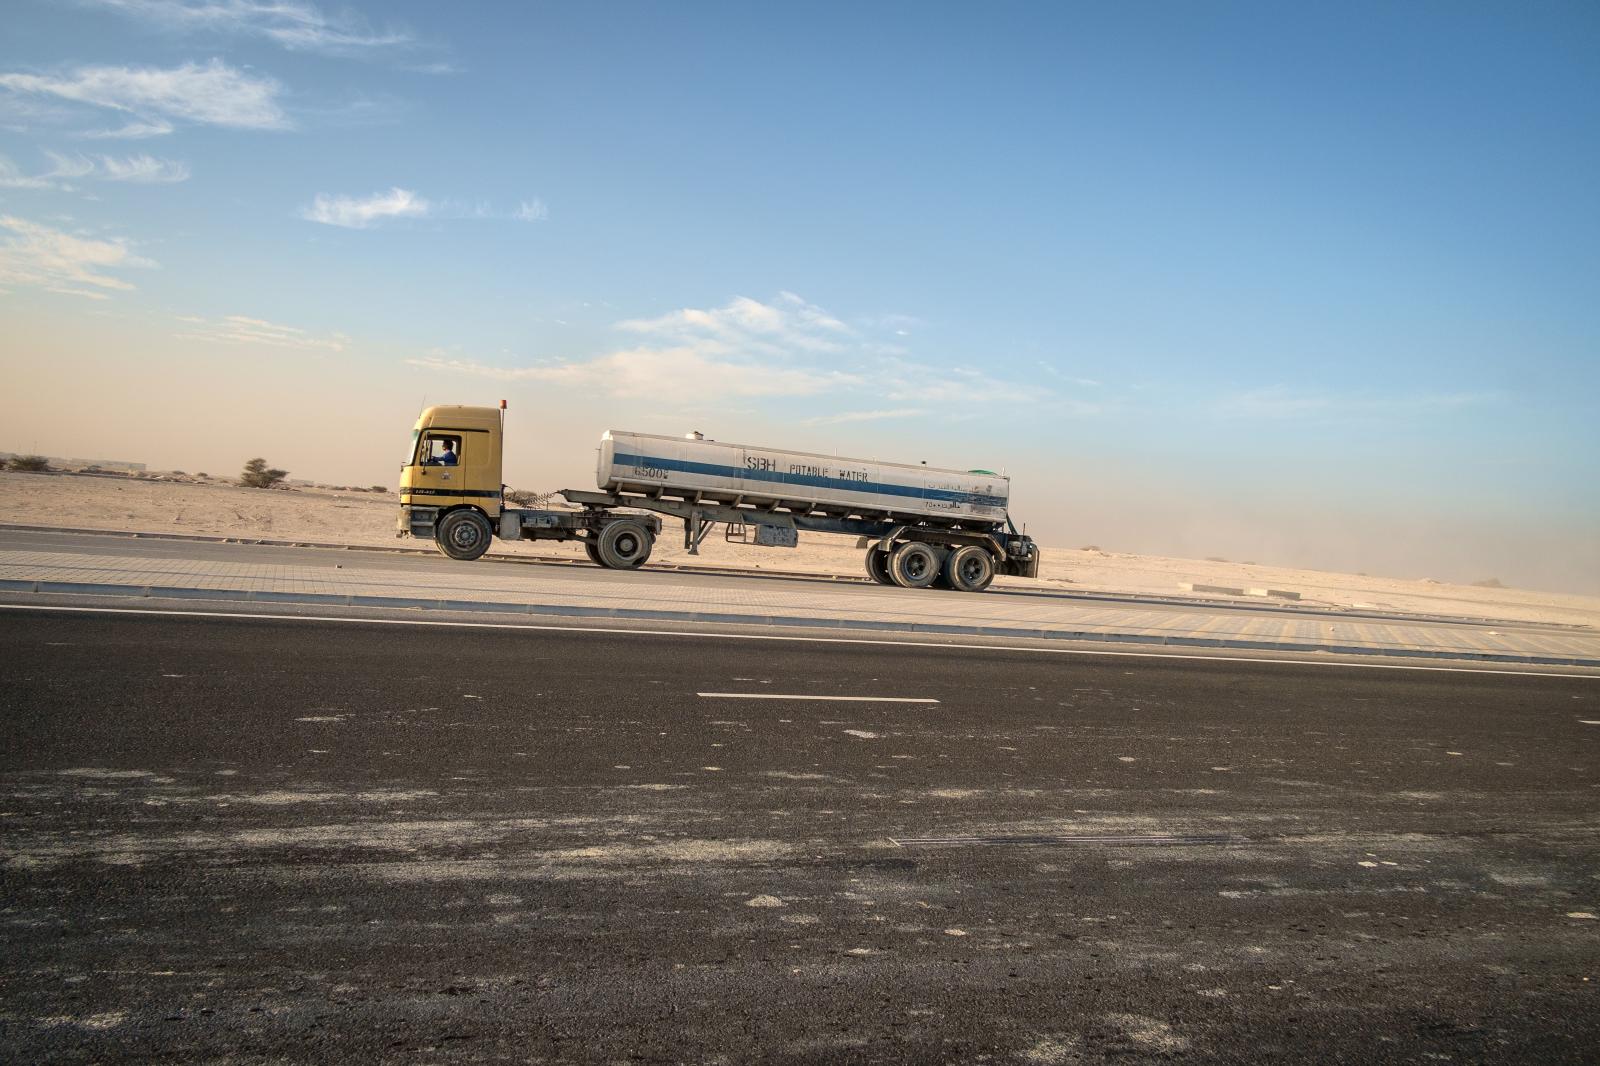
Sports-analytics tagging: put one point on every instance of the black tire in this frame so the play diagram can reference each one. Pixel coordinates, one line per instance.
(914, 565)
(625, 545)
(592, 550)
(463, 535)
(969, 569)
(878, 566)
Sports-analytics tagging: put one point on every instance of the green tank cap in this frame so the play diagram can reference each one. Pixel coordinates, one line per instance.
(991, 473)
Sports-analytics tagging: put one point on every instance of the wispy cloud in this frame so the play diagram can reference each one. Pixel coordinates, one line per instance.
(783, 347)
(12, 177)
(360, 212)
(242, 329)
(68, 168)
(785, 327)
(1283, 402)
(744, 349)
(296, 26)
(904, 379)
(212, 94)
(132, 131)
(1060, 375)
(65, 169)
(144, 169)
(51, 259)
(867, 416)
(678, 375)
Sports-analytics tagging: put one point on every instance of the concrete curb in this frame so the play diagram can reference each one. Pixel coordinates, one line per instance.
(323, 599)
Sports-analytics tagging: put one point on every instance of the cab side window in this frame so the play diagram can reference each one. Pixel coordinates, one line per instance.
(441, 449)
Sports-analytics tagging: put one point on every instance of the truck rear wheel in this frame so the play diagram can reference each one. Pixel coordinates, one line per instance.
(969, 569)
(914, 565)
(592, 550)
(878, 566)
(463, 535)
(625, 545)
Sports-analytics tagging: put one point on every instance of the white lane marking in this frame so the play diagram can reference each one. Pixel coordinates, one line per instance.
(1588, 721)
(949, 645)
(836, 699)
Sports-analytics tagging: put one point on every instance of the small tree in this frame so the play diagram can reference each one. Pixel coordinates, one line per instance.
(34, 464)
(257, 476)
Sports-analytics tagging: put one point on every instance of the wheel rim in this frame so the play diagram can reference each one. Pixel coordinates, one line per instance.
(627, 546)
(916, 566)
(465, 535)
(971, 570)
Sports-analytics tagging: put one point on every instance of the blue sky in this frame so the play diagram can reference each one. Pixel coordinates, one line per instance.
(1218, 279)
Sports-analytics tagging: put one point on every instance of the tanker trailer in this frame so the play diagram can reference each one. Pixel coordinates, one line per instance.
(920, 526)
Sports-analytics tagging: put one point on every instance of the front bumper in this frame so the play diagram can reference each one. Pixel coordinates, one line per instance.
(416, 521)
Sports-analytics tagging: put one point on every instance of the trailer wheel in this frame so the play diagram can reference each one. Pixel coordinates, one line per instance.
(969, 569)
(592, 550)
(625, 545)
(914, 565)
(463, 535)
(878, 566)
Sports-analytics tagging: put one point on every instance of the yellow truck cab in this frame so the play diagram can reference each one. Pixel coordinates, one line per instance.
(450, 488)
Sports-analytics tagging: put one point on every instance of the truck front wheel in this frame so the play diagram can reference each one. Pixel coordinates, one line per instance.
(463, 535)
(625, 545)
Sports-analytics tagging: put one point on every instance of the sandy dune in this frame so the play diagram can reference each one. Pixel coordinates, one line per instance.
(324, 515)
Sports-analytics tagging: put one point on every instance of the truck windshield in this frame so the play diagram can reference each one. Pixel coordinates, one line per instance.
(411, 456)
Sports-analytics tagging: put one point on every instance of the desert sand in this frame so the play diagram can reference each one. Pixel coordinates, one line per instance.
(214, 507)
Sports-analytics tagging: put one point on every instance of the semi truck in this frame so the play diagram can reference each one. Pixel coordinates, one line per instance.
(920, 526)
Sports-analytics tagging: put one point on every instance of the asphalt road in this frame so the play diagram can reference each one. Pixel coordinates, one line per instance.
(252, 840)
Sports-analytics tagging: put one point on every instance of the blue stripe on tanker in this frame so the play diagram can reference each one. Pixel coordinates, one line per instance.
(809, 480)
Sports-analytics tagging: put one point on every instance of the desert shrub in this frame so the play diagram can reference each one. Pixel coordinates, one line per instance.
(377, 488)
(33, 464)
(257, 475)
(1489, 583)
